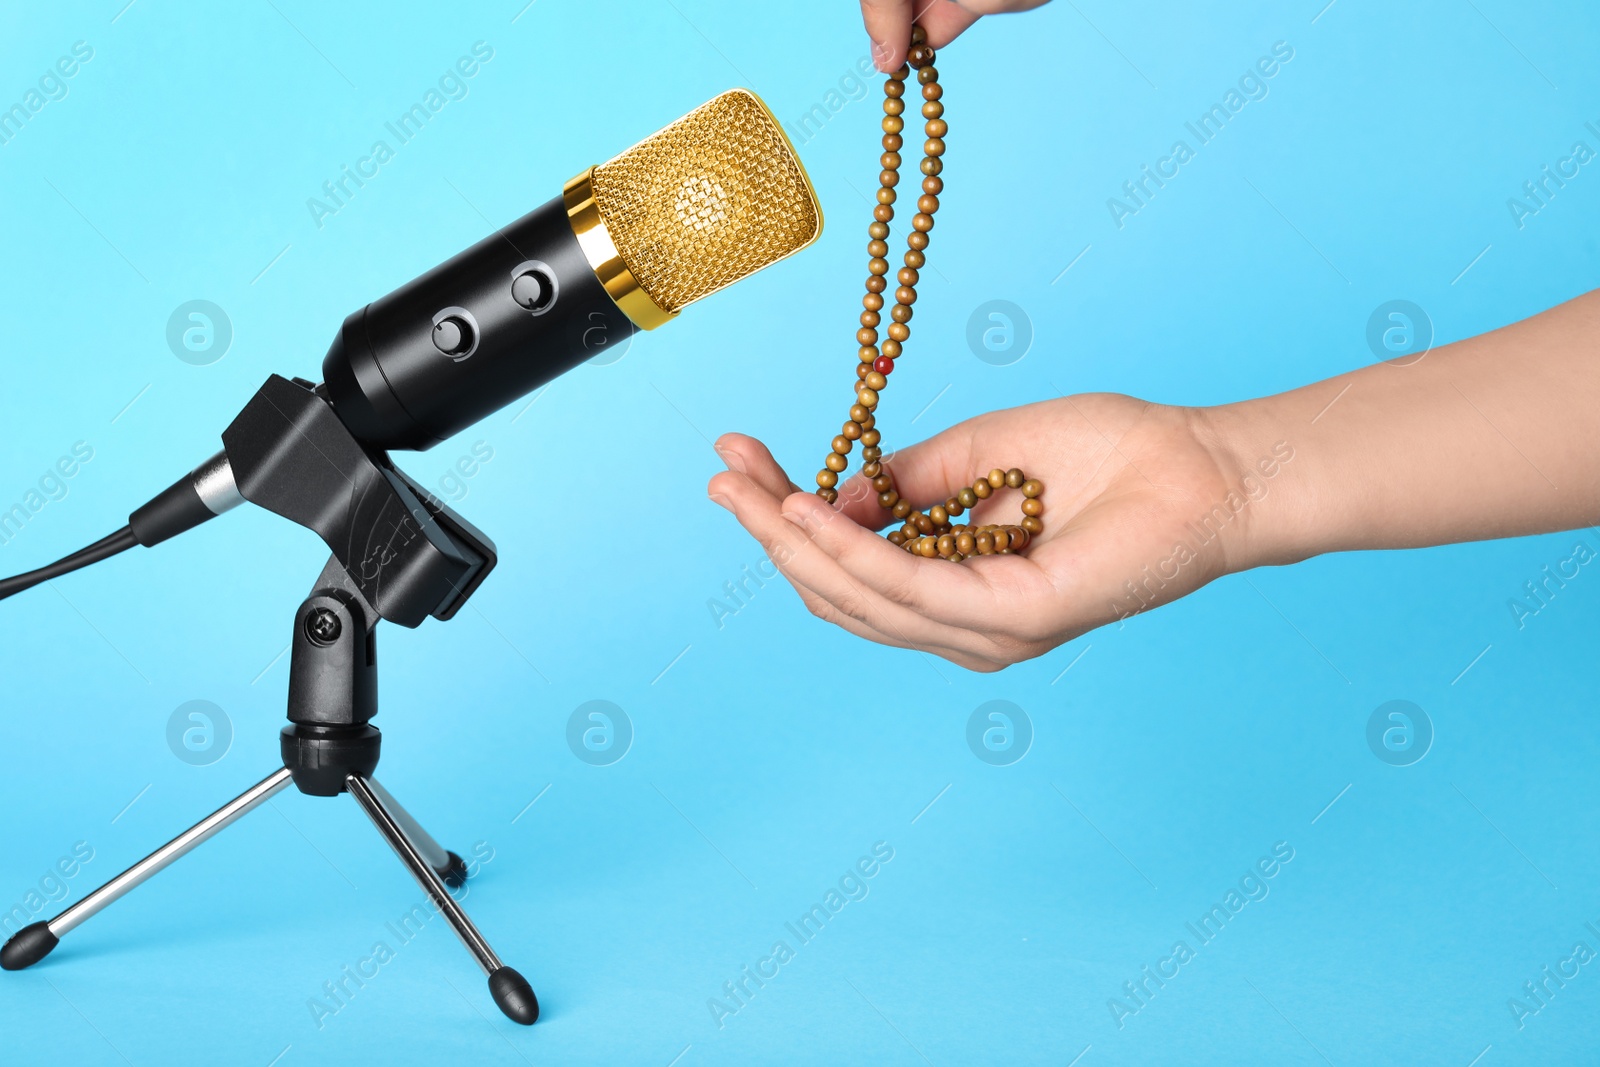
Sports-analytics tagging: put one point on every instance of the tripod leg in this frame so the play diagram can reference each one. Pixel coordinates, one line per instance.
(446, 864)
(32, 943)
(510, 990)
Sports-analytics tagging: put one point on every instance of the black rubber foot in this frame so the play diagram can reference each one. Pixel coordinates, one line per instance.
(33, 943)
(513, 994)
(455, 875)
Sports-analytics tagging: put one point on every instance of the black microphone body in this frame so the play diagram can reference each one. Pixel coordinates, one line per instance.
(489, 325)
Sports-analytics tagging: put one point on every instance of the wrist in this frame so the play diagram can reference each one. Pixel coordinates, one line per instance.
(1263, 499)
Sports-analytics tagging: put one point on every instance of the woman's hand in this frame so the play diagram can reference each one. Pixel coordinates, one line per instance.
(889, 22)
(1130, 487)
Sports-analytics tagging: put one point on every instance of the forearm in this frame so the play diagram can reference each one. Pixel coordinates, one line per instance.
(1494, 436)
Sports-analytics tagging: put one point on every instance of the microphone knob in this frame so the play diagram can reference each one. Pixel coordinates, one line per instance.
(533, 289)
(452, 336)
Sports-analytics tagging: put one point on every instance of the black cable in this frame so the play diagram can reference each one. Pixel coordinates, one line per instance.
(104, 548)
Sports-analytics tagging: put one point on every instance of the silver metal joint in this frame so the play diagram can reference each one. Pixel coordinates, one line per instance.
(213, 481)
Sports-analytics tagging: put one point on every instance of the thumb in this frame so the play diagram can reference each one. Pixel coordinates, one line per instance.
(925, 473)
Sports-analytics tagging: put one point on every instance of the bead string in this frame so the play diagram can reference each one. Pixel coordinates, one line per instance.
(932, 533)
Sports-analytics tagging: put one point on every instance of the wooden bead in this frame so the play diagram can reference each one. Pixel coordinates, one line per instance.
(933, 533)
(827, 479)
(830, 495)
(918, 34)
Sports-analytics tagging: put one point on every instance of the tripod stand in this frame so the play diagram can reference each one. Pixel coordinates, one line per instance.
(400, 555)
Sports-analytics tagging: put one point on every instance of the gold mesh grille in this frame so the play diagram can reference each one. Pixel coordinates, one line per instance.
(713, 198)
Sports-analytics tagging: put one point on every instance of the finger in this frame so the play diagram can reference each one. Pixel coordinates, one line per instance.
(804, 564)
(889, 26)
(999, 7)
(980, 600)
(747, 456)
(944, 20)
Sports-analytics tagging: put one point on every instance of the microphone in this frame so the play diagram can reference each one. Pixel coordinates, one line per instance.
(711, 199)
(691, 209)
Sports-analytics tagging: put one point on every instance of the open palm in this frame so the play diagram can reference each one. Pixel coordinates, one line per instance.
(1132, 490)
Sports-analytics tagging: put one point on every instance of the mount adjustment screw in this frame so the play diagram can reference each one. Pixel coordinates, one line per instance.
(323, 627)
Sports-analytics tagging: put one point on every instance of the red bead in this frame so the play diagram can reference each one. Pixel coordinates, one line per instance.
(883, 364)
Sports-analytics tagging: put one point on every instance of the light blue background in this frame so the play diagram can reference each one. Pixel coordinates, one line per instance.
(771, 752)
